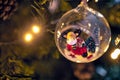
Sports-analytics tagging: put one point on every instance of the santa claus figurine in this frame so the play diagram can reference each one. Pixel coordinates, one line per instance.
(75, 44)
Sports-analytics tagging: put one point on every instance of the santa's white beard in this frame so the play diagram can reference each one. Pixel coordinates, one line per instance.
(72, 42)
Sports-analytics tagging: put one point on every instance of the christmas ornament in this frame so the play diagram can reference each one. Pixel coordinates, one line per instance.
(82, 34)
(7, 7)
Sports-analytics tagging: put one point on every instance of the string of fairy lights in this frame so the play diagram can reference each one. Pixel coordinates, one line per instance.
(116, 53)
(27, 37)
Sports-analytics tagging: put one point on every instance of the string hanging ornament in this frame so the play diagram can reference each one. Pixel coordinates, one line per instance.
(82, 34)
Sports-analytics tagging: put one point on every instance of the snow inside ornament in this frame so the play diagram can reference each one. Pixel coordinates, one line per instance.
(82, 34)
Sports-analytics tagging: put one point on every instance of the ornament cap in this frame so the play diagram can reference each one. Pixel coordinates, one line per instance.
(83, 3)
(82, 6)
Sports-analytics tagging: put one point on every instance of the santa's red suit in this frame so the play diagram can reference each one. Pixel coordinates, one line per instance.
(77, 48)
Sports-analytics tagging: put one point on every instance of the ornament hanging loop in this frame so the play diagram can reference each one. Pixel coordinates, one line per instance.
(81, 7)
(84, 2)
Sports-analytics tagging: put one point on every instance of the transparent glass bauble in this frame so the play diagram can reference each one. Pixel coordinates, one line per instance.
(82, 34)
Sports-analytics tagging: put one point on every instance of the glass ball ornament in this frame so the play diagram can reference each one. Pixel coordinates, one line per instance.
(82, 34)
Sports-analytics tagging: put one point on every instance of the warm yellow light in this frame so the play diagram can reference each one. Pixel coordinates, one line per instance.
(36, 29)
(28, 37)
(115, 54)
(117, 40)
(96, 0)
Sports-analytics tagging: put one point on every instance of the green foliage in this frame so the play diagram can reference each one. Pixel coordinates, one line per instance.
(114, 16)
(39, 9)
(64, 6)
